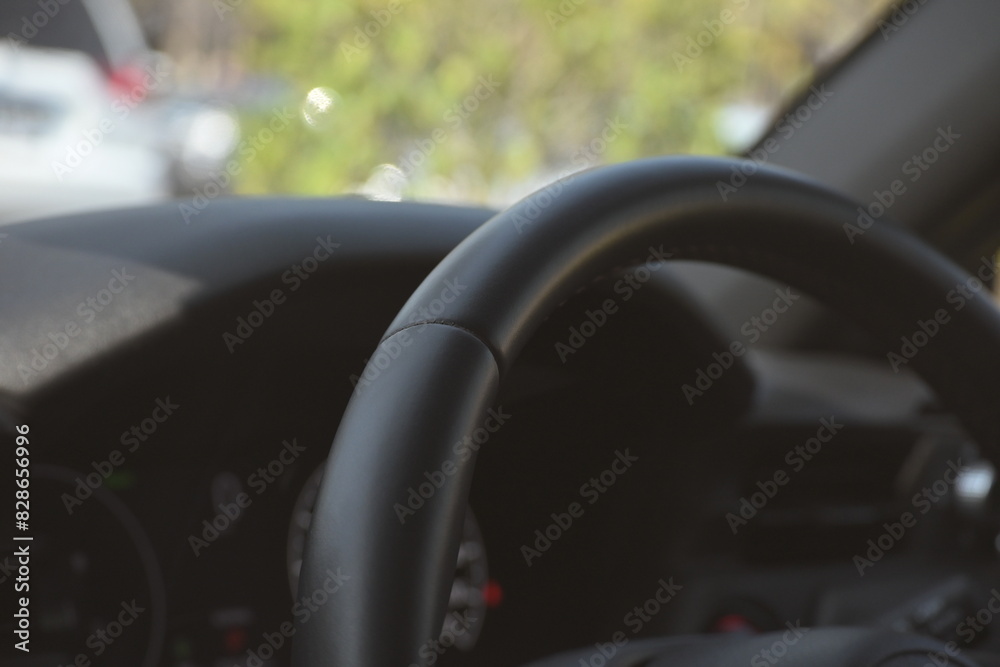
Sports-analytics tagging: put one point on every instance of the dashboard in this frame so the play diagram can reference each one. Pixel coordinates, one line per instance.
(642, 484)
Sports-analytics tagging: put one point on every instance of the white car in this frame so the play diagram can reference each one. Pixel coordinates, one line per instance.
(90, 116)
(66, 147)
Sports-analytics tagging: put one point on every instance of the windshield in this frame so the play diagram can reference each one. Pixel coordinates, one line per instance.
(473, 102)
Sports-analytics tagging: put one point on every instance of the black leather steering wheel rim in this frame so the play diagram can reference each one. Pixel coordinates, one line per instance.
(458, 335)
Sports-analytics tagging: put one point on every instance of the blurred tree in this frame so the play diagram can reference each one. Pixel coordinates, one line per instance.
(483, 101)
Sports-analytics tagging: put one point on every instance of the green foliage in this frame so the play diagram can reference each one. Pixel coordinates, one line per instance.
(564, 70)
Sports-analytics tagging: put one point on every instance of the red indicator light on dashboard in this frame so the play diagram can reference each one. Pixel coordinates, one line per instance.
(236, 640)
(730, 623)
(492, 593)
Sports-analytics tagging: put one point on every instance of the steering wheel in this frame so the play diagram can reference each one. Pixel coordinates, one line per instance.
(451, 353)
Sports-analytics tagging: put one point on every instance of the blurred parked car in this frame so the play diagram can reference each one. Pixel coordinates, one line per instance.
(90, 117)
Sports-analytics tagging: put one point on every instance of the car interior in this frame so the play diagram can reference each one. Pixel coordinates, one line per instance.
(678, 410)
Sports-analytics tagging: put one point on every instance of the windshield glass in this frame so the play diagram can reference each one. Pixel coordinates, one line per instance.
(487, 101)
(393, 99)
